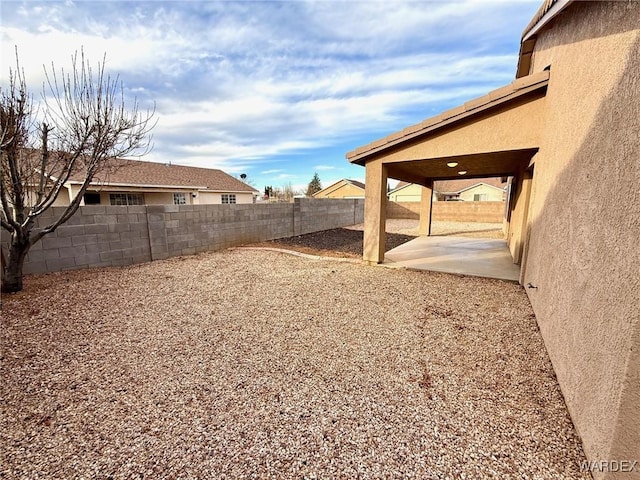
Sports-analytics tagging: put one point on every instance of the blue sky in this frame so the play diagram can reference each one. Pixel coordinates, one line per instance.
(277, 89)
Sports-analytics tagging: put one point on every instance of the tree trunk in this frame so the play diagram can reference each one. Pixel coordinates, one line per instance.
(12, 274)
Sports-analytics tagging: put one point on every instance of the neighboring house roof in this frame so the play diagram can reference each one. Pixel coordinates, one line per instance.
(458, 186)
(338, 184)
(451, 187)
(400, 186)
(356, 183)
(152, 174)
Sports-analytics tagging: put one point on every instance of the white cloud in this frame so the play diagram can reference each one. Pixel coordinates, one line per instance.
(249, 85)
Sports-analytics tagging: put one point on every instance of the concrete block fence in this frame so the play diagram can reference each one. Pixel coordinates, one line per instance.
(486, 212)
(99, 236)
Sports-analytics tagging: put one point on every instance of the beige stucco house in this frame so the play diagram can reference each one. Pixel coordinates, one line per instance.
(566, 130)
(470, 190)
(406, 192)
(344, 188)
(134, 182)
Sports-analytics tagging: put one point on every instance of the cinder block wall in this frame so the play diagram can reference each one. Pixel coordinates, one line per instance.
(188, 229)
(485, 212)
(99, 236)
(315, 215)
(96, 236)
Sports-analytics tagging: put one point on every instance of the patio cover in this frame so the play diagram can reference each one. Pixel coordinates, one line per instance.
(494, 135)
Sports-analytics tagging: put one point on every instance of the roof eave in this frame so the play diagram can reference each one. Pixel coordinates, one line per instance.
(493, 99)
(138, 185)
(547, 13)
(166, 187)
(475, 185)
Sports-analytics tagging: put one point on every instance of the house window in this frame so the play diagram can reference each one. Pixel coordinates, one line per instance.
(179, 198)
(126, 199)
(480, 197)
(228, 198)
(92, 199)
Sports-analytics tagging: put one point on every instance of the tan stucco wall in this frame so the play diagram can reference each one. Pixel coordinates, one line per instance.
(493, 195)
(63, 198)
(346, 190)
(208, 198)
(583, 251)
(510, 128)
(410, 193)
(484, 212)
(166, 198)
(161, 198)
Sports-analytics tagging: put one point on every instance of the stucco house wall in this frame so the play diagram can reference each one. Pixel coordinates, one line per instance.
(216, 198)
(341, 189)
(166, 198)
(409, 193)
(582, 256)
(346, 191)
(492, 194)
(157, 198)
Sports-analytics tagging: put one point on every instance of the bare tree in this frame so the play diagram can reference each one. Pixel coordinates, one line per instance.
(288, 192)
(77, 131)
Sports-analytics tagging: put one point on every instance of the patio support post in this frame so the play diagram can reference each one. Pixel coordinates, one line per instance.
(426, 202)
(375, 212)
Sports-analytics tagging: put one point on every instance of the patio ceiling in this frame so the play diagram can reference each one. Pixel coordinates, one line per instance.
(482, 165)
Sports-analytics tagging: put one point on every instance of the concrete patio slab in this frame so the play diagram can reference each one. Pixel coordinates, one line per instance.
(478, 257)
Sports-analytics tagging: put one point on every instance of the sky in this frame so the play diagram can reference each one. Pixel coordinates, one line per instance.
(276, 90)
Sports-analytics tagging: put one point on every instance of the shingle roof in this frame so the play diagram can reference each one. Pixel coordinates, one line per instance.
(356, 183)
(142, 173)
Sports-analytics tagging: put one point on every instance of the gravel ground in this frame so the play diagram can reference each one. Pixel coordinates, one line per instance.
(347, 242)
(256, 364)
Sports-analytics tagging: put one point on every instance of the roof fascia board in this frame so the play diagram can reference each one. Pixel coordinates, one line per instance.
(403, 187)
(477, 184)
(555, 9)
(137, 185)
(353, 184)
(330, 188)
(253, 192)
(357, 158)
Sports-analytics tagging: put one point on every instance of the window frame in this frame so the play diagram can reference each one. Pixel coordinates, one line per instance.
(126, 199)
(179, 198)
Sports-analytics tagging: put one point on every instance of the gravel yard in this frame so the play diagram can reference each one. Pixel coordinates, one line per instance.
(347, 242)
(257, 364)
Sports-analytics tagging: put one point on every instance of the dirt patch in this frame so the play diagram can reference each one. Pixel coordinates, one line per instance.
(337, 242)
(348, 241)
